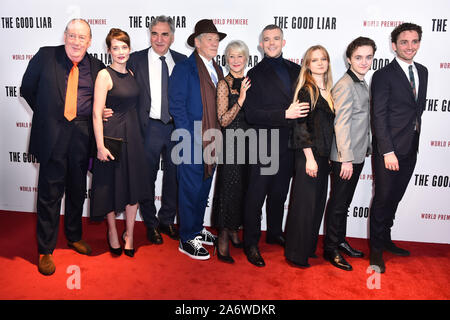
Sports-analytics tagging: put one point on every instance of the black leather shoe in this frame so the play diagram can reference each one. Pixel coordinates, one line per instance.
(298, 265)
(154, 236)
(337, 260)
(275, 240)
(170, 230)
(348, 250)
(376, 261)
(392, 248)
(254, 257)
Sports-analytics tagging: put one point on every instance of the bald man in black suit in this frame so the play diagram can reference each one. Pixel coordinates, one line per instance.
(60, 142)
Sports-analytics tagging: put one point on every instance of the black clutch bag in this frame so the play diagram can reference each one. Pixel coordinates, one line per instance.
(114, 145)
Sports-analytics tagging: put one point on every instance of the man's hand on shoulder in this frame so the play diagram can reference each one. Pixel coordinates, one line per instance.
(297, 110)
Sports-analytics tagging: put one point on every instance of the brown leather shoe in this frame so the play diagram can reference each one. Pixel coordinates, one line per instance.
(80, 247)
(46, 265)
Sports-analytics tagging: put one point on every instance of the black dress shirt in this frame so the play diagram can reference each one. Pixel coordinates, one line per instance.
(85, 86)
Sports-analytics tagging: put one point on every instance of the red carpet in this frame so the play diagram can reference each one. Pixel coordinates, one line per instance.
(161, 272)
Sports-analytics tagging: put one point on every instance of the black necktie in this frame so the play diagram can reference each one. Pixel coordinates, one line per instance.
(412, 81)
(413, 87)
(165, 117)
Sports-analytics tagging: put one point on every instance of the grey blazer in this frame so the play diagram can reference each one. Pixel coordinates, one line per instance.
(351, 125)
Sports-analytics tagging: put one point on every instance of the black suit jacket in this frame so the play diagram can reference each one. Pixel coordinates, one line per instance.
(267, 99)
(44, 89)
(138, 63)
(395, 110)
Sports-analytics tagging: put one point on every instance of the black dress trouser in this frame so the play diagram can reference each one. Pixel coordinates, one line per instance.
(390, 186)
(341, 196)
(308, 199)
(272, 189)
(157, 143)
(64, 173)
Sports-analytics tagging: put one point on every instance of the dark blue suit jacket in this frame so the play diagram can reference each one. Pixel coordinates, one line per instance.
(185, 99)
(394, 108)
(138, 63)
(44, 88)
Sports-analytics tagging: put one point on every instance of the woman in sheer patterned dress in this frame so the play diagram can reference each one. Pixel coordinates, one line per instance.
(231, 176)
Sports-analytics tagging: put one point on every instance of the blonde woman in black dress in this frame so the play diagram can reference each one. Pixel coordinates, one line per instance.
(118, 184)
(231, 176)
(311, 139)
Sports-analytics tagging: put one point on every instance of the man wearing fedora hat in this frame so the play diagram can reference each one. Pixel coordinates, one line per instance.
(192, 104)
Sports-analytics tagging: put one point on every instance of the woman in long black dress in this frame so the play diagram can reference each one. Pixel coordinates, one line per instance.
(311, 138)
(231, 176)
(118, 184)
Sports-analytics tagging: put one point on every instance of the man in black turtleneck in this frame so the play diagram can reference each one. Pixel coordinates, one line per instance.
(267, 108)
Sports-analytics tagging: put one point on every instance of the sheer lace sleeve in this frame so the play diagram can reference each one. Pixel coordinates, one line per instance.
(225, 115)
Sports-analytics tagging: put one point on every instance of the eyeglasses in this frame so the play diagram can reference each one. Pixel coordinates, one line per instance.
(73, 37)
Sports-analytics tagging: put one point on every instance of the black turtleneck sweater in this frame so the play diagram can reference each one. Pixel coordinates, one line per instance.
(280, 68)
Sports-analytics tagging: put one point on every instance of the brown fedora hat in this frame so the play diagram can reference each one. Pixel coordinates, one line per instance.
(204, 26)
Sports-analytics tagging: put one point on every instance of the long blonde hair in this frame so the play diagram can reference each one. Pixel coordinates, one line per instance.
(305, 78)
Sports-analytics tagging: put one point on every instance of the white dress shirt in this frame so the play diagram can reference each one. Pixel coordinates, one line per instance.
(154, 72)
(209, 65)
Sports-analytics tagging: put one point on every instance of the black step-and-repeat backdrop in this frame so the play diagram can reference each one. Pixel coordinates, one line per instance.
(424, 213)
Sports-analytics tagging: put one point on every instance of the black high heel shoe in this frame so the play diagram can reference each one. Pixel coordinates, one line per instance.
(115, 251)
(128, 252)
(238, 243)
(227, 258)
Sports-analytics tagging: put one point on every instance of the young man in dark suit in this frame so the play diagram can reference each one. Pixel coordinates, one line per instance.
(58, 85)
(152, 68)
(267, 108)
(398, 99)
